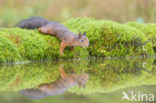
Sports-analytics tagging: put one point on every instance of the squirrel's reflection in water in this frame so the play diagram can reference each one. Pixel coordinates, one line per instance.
(67, 81)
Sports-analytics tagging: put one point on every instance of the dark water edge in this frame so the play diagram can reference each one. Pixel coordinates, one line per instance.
(88, 58)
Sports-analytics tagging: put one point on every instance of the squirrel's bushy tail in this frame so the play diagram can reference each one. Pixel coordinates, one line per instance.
(33, 93)
(32, 23)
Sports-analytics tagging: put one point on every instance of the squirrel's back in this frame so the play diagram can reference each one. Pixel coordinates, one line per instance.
(33, 23)
(67, 37)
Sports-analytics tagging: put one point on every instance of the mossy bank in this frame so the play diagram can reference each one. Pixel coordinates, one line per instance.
(107, 38)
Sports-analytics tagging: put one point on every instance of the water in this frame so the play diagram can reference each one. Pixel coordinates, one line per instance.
(82, 80)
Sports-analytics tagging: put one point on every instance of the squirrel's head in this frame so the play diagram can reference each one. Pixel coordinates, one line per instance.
(82, 80)
(82, 40)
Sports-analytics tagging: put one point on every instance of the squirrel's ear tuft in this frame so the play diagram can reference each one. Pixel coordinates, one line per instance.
(79, 36)
(84, 33)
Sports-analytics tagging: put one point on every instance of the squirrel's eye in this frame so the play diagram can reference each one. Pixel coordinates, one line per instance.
(82, 40)
(82, 79)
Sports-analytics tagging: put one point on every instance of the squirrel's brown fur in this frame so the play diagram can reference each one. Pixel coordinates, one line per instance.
(67, 37)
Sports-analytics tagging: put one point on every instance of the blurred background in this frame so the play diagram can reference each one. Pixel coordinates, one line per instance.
(12, 11)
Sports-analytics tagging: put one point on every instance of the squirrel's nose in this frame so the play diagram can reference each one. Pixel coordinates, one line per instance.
(88, 44)
(84, 85)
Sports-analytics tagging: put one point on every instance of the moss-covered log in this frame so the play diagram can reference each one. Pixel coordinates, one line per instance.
(107, 38)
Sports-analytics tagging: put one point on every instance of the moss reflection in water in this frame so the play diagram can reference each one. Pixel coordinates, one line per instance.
(105, 75)
(58, 87)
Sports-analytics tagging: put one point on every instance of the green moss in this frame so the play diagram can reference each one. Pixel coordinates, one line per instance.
(107, 38)
(8, 51)
(148, 29)
(31, 45)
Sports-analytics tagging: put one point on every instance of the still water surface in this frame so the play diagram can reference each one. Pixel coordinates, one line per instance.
(74, 81)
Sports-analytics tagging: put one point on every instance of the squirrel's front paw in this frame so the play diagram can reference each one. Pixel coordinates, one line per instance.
(62, 53)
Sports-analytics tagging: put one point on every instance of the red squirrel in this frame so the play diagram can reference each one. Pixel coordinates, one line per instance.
(67, 37)
(60, 86)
